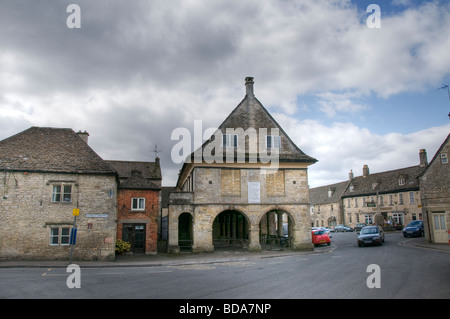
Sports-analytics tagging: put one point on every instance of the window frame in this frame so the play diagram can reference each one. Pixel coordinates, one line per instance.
(139, 201)
(62, 236)
(60, 195)
(230, 140)
(275, 141)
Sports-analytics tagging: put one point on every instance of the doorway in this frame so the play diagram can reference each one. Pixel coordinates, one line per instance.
(185, 231)
(439, 227)
(135, 235)
(230, 230)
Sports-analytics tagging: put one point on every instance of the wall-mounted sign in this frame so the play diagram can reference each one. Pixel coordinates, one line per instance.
(254, 192)
(97, 215)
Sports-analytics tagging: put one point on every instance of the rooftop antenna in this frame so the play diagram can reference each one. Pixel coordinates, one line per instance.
(156, 151)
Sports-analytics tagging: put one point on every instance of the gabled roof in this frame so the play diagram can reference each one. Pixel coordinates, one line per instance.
(321, 195)
(251, 114)
(137, 181)
(150, 170)
(56, 150)
(387, 182)
(446, 141)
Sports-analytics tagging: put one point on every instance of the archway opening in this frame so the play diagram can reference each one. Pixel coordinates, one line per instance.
(230, 230)
(185, 231)
(275, 230)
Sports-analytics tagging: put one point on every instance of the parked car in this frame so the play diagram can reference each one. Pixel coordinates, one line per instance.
(414, 228)
(371, 235)
(326, 230)
(319, 237)
(342, 228)
(358, 227)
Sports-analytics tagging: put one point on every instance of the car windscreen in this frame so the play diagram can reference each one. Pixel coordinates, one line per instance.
(318, 232)
(369, 231)
(414, 224)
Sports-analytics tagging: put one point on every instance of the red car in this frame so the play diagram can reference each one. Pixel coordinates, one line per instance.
(320, 237)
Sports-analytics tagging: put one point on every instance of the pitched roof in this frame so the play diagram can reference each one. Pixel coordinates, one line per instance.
(137, 181)
(321, 195)
(251, 114)
(150, 170)
(388, 182)
(44, 149)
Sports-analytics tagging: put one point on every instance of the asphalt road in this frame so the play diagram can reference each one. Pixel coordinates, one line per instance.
(337, 271)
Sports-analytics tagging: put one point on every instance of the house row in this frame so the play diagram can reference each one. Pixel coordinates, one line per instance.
(390, 198)
(52, 181)
(246, 186)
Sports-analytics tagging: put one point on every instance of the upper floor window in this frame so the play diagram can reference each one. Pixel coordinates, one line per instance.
(400, 199)
(273, 141)
(62, 193)
(230, 140)
(401, 180)
(138, 203)
(444, 158)
(411, 197)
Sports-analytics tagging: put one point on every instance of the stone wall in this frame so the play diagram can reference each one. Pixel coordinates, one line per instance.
(28, 215)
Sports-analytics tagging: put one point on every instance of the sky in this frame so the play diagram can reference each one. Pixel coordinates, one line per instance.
(350, 86)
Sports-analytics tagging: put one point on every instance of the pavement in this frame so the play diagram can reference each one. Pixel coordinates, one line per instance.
(188, 258)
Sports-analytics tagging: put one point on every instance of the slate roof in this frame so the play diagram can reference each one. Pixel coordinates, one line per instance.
(138, 175)
(56, 150)
(388, 182)
(250, 113)
(320, 195)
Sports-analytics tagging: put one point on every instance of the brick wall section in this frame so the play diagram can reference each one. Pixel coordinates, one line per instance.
(148, 216)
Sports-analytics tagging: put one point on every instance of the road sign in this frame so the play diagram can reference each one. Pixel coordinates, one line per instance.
(73, 236)
(76, 212)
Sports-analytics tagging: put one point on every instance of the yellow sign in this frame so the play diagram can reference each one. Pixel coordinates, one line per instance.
(76, 212)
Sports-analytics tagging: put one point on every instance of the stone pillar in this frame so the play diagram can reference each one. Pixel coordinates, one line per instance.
(253, 235)
(173, 233)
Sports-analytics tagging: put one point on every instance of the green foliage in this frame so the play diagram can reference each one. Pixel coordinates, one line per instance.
(122, 247)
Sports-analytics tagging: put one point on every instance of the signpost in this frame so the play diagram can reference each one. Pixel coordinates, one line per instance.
(73, 231)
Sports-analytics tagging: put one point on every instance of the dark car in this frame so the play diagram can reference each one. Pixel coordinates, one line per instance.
(413, 229)
(371, 235)
(358, 227)
(342, 228)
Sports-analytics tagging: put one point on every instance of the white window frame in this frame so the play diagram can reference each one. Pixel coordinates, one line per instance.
(230, 140)
(60, 195)
(411, 198)
(273, 141)
(138, 203)
(444, 158)
(61, 237)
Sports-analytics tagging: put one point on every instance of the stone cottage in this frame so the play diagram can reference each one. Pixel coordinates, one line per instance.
(435, 192)
(46, 173)
(245, 187)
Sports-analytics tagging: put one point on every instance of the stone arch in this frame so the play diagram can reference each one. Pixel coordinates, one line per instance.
(276, 228)
(230, 229)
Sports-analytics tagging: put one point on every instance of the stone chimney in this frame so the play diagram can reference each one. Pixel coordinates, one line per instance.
(423, 158)
(84, 135)
(350, 175)
(249, 87)
(365, 171)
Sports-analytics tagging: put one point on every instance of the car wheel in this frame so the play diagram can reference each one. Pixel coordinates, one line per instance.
(328, 244)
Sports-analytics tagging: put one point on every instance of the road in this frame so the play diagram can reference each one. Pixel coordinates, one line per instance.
(338, 271)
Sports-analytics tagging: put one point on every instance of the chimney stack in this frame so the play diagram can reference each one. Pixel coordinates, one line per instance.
(350, 175)
(365, 171)
(84, 135)
(423, 158)
(249, 87)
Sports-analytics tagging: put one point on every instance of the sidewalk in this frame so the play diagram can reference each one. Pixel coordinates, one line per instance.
(187, 258)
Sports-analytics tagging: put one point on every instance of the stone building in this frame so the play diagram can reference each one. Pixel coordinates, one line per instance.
(326, 205)
(138, 202)
(44, 174)
(247, 185)
(385, 198)
(435, 192)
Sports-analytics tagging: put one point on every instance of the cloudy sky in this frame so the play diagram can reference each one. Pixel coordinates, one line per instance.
(134, 71)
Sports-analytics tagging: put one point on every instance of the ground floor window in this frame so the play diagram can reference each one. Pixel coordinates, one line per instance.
(397, 218)
(368, 219)
(59, 236)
